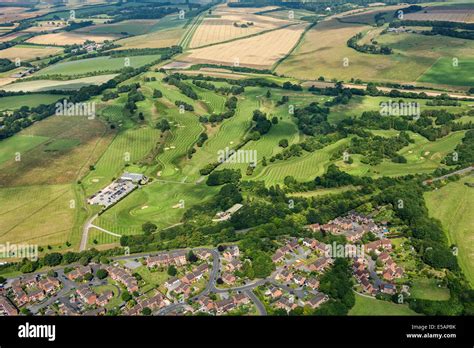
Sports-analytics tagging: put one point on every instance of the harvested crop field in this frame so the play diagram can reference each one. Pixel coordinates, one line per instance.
(25, 52)
(456, 13)
(48, 85)
(70, 38)
(226, 25)
(261, 51)
(165, 38)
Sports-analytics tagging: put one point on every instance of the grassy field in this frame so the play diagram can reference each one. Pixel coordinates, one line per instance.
(323, 51)
(368, 306)
(444, 73)
(45, 218)
(17, 101)
(66, 146)
(428, 289)
(99, 64)
(452, 205)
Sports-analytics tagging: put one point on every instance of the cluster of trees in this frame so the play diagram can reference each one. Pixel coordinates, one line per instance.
(376, 148)
(77, 25)
(133, 97)
(6, 64)
(464, 151)
(262, 124)
(230, 104)
(184, 88)
(313, 119)
(337, 284)
(224, 176)
(186, 106)
(292, 86)
(460, 34)
(367, 48)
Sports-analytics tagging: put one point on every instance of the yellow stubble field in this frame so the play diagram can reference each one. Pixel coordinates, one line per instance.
(261, 51)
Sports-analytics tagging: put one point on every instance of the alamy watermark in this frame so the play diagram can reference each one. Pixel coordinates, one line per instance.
(229, 155)
(19, 251)
(85, 109)
(335, 250)
(400, 108)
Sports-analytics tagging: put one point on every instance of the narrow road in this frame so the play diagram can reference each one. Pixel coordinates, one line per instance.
(85, 233)
(442, 177)
(260, 306)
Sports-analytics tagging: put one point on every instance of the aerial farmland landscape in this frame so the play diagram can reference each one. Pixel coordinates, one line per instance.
(236, 158)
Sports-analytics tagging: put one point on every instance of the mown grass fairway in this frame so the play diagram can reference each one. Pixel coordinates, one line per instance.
(452, 205)
(369, 306)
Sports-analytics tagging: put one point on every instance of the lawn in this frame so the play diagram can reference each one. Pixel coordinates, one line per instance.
(30, 100)
(452, 205)
(428, 289)
(368, 306)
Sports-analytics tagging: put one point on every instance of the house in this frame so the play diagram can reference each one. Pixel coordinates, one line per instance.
(231, 251)
(314, 227)
(87, 295)
(224, 306)
(79, 272)
(6, 307)
(177, 258)
(361, 274)
(367, 286)
(172, 283)
(206, 304)
(48, 284)
(284, 303)
(317, 300)
(36, 295)
(278, 256)
(240, 299)
(183, 288)
(285, 276)
(121, 275)
(313, 283)
(274, 292)
(104, 298)
(202, 254)
(226, 215)
(299, 280)
(384, 257)
(320, 264)
(20, 295)
(376, 246)
(354, 235)
(229, 278)
(293, 245)
(233, 265)
(134, 177)
(388, 288)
